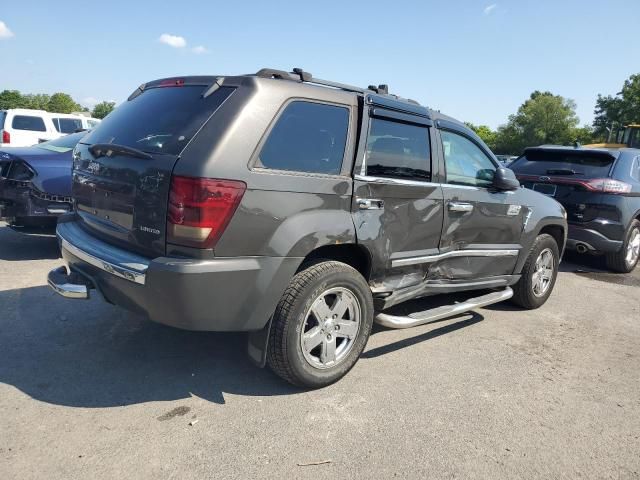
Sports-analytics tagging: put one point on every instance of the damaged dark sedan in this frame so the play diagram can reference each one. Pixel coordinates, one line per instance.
(35, 182)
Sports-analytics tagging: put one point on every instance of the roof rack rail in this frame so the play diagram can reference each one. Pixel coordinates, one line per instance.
(299, 75)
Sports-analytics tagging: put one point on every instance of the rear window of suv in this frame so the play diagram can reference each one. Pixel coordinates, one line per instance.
(27, 122)
(2, 117)
(159, 120)
(67, 125)
(580, 164)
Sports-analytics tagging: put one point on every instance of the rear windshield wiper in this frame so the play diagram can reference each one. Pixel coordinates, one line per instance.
(562, 171)
(109, 149)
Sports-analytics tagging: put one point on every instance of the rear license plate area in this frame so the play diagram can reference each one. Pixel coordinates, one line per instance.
(545, 188)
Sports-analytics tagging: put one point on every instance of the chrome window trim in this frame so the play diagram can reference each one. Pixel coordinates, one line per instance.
(136, 276)
(394, 181)
(401, 262)
(465, 187)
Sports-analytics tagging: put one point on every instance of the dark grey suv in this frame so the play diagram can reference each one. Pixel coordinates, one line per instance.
(299, 210)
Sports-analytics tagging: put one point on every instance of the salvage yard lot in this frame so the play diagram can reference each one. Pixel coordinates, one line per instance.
(90, 391)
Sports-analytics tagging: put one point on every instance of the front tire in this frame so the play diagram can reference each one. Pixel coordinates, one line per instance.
(625, 260)
(321, 325)
(539, 274)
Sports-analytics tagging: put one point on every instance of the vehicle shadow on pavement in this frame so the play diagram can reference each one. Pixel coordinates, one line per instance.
(32, 245)
(573, 262)
(90, 354)
(471, 318)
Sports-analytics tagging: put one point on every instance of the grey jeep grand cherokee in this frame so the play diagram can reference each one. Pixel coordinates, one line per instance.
(299, 210)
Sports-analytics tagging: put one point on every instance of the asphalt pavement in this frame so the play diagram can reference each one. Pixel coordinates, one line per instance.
(88, 390)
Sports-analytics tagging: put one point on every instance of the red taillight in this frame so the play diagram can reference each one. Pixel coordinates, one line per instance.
(200, 209)
(607, 185)
(6, 137)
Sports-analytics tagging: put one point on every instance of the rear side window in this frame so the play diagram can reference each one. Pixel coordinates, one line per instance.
(159, 120)
(581, 164)
(308, 137)
(27, 122)
(67, 125)
(398, 150)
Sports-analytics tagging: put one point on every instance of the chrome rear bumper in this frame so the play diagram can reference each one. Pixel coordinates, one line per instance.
(67, 284)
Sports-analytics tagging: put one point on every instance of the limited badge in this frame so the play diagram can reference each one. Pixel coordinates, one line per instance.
(513, 210)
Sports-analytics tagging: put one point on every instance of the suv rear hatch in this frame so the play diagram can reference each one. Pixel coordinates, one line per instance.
(122, 169)
(575, 178)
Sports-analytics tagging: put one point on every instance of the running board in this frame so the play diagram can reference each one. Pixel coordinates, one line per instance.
(420, 318)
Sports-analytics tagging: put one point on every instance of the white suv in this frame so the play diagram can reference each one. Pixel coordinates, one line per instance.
(20, 127)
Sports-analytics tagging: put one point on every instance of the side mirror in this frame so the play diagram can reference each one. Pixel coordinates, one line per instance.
(504, 179)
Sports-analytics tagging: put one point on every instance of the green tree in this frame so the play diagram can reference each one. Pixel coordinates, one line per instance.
(103, 109)
(487, 135)
(11, 99)
(544, 118)
(38, 101)
(62, 103)
(612, 112)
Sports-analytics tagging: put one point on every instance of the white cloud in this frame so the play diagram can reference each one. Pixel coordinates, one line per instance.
(489, 8)
(174, 41)
(200, 49)
(4, 31)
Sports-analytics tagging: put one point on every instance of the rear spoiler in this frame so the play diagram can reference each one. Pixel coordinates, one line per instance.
(205, 81)
(541, 151)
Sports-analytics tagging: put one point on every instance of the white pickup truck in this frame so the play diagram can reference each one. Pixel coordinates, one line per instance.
(21, 127)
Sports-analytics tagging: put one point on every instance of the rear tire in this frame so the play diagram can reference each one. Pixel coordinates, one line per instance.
(539, 274)
(321, 325)
(625, 260)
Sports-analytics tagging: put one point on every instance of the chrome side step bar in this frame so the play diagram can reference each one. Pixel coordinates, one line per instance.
(420, 318)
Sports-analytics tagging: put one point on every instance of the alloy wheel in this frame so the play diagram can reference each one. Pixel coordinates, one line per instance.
(633, 247)
(543, 273)
(330, 327)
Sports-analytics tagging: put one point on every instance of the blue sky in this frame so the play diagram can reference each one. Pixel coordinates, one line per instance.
(475, 60)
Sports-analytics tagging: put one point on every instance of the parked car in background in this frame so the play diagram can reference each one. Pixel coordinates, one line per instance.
(505, 160)
(599, 188)
(35, 182)
(299, 210)
(20, 127)
(69, 123)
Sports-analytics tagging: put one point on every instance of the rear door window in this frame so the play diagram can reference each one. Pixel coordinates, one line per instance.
(67, 125)
(398, 150)
(2, 117)
(307, 137)
(579, 164)
(159, 120)
(28, 122)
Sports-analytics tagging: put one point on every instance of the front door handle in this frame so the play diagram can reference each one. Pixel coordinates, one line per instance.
(370, 204)
(460, 207)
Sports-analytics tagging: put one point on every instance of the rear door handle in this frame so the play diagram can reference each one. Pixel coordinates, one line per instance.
(370, 203)
(460, 207)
